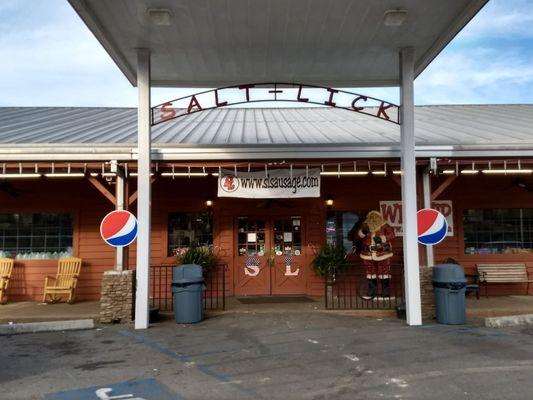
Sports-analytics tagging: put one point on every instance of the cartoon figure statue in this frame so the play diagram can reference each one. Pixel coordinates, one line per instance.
(376, 252)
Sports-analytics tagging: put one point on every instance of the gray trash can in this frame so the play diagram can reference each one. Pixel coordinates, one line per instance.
(188, 293)
(449, 283)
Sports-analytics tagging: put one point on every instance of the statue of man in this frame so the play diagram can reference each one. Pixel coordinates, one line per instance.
(376, 252)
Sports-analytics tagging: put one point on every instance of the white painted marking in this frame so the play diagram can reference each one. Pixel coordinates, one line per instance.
(351, 357)
(399, 382)
(104, 394)
(312, 341)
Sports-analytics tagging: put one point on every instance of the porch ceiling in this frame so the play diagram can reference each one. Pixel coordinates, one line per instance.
(212, 43)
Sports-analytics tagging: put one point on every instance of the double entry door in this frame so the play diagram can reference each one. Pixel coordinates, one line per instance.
(269, 256)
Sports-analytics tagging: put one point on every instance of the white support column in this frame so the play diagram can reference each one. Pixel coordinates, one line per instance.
(119, 195)
(143, 189)
(409, 208)
(426, 186)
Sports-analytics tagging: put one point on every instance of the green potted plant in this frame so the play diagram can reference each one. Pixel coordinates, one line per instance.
(199, 255)
(329, 260)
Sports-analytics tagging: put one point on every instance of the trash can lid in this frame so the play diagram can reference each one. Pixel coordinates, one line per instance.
(187, 273)
(448, 273)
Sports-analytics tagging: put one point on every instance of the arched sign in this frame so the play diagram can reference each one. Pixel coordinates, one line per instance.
(269, 92)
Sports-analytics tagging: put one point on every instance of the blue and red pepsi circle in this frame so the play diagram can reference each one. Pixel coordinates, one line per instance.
(432, 226)
(119, 228)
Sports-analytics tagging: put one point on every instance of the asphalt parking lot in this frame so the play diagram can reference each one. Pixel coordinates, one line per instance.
(270, 356)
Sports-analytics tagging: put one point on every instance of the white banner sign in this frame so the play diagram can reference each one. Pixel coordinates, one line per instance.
(273, 184)
(392, 212)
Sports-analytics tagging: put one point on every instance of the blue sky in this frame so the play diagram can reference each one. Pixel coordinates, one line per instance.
(49, 58)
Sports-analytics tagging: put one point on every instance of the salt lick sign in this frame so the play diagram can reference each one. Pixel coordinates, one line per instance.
(275, 92)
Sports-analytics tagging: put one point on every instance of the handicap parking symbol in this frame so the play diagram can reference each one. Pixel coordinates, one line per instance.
(145, 389)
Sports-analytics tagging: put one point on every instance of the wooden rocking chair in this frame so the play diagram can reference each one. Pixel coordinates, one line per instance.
(6, 269)
(65, 281)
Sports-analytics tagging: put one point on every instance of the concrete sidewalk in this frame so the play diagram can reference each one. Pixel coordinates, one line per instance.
(28, 311)
(39, 312)
(304, 355)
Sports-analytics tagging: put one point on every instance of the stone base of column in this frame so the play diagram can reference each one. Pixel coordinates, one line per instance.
(427, 295)
(117, 302)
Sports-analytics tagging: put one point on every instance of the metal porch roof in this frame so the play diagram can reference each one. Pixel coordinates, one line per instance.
(212, 43)
(450, 125)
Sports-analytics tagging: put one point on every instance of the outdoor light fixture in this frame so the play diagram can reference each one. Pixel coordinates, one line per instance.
(17, 176)
(104, 175)
(345, 173)
(507, 171)
(329, 202)
(383, 173)
(394, 17)
(209, 203)
(132, 174)
(470, 171)
(448, 172)
(159, 16)
(65, 175)
(396, 172)
(186, 174)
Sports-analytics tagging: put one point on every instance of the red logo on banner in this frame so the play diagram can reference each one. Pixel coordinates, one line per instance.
(229, 183)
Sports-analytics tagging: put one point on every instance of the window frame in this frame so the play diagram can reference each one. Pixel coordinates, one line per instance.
(359, 213)
(483, 257)
(75, 215)
(166, 258)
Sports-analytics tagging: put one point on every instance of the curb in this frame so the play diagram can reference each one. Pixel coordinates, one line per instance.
(51, 326)
(511, 320)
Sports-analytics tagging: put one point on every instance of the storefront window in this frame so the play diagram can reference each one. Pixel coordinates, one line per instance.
(35, 236)
(340, 228)
(498, 230)
(189, 229)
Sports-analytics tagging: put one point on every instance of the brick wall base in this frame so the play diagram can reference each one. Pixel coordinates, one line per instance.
(427, 294)
(116, 304)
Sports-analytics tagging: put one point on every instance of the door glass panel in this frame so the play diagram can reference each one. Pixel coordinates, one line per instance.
(287, 236)
(251, 237)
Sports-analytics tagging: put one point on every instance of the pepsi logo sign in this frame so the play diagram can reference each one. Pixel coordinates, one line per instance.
(119, 228)
(432, 226)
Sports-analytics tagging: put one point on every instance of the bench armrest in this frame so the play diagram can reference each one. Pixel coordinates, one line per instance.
(474, 277)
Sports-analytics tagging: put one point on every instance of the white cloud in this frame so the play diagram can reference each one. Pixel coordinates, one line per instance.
(481, 75)
(502, 19)
(50, 58)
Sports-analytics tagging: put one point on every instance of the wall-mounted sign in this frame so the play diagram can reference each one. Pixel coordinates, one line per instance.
(119, 228)
(273, 184)
(268, 92)
(432, 226)
(392, 212)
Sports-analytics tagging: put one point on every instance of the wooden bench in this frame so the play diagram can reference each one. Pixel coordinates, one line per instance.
(503, 273)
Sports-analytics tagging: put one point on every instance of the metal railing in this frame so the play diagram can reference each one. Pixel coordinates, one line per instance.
(347, 290)
(161, 288)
